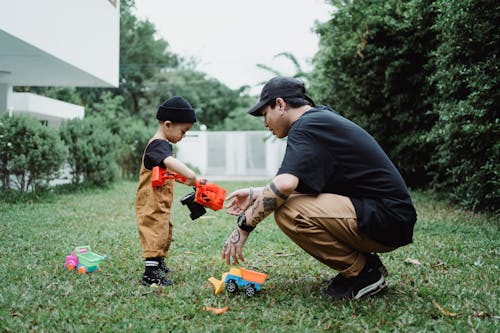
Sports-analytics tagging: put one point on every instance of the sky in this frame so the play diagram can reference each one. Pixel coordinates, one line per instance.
(230, 37)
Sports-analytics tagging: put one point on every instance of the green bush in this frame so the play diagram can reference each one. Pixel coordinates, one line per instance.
(467, 77)
(134, 136)
(31, 154)
(422, 76)
(92, 150)
(372, 68)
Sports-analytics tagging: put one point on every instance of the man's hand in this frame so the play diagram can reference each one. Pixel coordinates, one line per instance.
(233, 246)
(241, 200)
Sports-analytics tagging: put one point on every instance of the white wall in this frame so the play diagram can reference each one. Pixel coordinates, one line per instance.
(46, 109)
(232, 154)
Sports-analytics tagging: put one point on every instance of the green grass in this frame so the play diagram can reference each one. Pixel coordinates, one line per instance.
(458, 271)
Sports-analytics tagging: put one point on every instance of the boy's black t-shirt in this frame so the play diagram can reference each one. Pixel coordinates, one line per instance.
(331, 154)
(156, 152)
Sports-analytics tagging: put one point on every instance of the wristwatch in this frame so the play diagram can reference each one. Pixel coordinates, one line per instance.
(242, 223)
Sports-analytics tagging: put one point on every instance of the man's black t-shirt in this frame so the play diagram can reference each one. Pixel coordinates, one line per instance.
(331, 154)
(156, 152)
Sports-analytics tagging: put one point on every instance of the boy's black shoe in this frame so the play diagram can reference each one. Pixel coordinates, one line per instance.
(156, 276)
(155, 273)
(369, 281)
(164, 267)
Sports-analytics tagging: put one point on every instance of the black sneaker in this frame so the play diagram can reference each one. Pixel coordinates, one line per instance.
(155, 276)
(155, 273)
(375, 261)
(164, 267)
(369, 281)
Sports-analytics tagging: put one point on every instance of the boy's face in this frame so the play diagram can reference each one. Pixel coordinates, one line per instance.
(176, 131)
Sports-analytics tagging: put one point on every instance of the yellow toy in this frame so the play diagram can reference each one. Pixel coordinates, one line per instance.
(251, 281)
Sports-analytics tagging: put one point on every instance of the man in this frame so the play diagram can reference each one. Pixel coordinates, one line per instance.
(337, 194)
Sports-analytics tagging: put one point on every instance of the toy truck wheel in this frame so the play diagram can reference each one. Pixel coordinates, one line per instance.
(82, 270)
(231, 286)
(249, 290)
(70, 267)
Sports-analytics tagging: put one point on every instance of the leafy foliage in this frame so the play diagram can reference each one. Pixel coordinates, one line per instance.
(133, 140)
(299, 72)
(31, 154)
(422, 77)
(372, 68)
(239, 120)
(142, 55)
(212, 100)
(467, 80)
(92, 150)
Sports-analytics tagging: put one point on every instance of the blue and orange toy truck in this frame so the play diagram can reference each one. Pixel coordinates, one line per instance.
(250, 281)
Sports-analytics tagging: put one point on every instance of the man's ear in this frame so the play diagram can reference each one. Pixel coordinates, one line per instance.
(280, 102)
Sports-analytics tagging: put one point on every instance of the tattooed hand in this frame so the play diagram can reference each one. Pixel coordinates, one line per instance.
(233, 246)
(241, 200)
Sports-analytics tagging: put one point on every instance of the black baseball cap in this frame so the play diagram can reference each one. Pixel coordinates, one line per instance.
(279, 86)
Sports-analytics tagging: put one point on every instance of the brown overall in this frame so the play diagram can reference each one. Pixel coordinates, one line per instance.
(152, 208)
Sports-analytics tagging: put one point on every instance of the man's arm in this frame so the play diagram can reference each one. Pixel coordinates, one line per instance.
(272, 197)
(269, 200)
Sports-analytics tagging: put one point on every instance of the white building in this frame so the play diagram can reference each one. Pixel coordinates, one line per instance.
(232, 155)
(63, 43)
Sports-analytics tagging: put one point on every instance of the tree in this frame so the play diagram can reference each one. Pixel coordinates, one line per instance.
(142, 55)
(212, 100)
(372, 67)
(299, 72)
(467, 79)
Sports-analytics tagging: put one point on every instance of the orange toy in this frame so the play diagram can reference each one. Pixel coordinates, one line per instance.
(210, 195)
(205, 195)
(159, 176)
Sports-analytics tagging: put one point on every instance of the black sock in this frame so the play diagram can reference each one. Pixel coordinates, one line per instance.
(152, 264)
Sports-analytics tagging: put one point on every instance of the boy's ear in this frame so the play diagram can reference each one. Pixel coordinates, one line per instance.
(167, 123)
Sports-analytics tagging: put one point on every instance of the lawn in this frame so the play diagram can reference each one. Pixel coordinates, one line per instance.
(446, 281)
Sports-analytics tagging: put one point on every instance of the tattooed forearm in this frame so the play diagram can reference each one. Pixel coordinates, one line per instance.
(254, 204)
(270, 204)
(257, 219)
(277, 191)
(269, 200)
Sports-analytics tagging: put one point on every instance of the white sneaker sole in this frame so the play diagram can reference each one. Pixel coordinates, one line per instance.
(372, 289)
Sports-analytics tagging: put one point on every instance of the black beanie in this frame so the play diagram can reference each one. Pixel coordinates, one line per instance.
(177, 110)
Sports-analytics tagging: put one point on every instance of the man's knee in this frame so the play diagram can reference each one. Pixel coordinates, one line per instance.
(284, 216)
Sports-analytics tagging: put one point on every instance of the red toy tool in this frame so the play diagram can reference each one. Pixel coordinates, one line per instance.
(205, 195)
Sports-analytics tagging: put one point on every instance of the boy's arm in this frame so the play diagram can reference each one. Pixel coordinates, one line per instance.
(177, 166)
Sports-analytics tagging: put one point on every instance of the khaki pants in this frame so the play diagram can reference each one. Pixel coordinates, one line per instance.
(325, 226)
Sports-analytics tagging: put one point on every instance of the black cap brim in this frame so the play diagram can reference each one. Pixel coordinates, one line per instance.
(256, 110)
